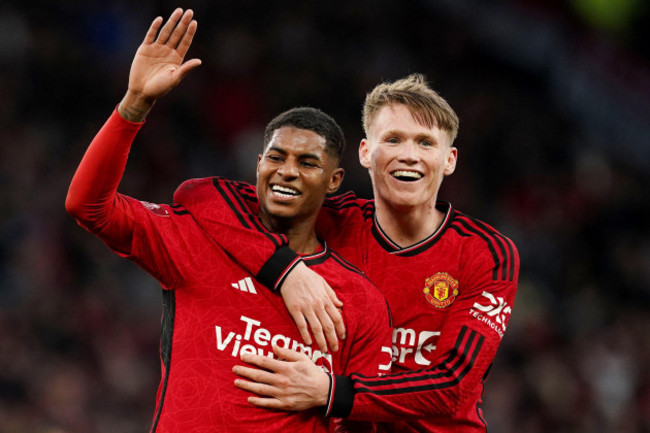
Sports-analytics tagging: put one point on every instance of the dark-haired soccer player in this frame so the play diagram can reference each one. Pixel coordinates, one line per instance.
(450, 279)
(214, 310)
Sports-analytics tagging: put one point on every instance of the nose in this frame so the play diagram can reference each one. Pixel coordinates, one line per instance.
(289, 169)
(409, 152)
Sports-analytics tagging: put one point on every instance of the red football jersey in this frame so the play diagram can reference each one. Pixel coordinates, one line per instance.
(450, 296)
(215, 310)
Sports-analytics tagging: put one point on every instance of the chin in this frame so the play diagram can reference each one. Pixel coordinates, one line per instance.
(281, 213)
(406, 200)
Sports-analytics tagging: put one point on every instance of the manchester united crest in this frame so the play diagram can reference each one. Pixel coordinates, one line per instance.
(440, 289)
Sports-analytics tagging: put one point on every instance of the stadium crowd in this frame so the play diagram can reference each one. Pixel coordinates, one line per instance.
(79, 327)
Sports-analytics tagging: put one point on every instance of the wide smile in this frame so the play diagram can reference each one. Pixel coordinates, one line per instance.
(284, 192)
(407, 175)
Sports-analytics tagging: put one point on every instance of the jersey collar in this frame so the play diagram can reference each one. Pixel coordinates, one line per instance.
(387, 243)
(317, 257)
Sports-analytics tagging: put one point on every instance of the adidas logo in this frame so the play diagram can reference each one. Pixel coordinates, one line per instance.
(245, 285)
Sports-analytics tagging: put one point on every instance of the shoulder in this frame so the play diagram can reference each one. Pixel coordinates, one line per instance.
(206, 189)
(483, 243)
(349, 202)
(479, 232)
(193, 189)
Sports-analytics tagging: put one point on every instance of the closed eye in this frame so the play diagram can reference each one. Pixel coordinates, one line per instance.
(274, 158)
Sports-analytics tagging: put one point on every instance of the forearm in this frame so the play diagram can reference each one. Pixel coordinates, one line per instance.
(92, 196)
(453, 381)
(227, 211)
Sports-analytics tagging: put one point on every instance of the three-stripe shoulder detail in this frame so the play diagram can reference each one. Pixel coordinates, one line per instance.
(501, 248)
(349, 200)
(235, 195)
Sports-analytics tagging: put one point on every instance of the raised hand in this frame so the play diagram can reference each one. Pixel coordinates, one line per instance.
(158, 63)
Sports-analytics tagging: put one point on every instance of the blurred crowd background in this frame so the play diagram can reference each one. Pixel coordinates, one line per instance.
(554, 151)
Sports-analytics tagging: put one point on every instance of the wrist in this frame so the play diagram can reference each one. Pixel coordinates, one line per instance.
(135, 107)
(276, 268)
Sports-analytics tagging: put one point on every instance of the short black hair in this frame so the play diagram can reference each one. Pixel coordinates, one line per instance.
(311, 119)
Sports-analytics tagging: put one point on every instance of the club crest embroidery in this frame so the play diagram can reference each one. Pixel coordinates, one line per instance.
(440, 289)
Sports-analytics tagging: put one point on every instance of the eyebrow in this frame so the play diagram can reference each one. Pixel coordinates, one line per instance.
(306, 155)
(417, 136)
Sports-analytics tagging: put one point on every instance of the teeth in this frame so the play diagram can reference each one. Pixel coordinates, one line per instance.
(283, 191)
(408, 174)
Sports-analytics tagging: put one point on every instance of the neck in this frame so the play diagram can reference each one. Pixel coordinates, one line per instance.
(408, 225)
(301, 234)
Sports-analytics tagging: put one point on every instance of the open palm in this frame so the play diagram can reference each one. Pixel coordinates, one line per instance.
(158, 64)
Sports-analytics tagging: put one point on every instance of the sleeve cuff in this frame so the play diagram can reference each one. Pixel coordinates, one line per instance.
(341, 398)
(276, 269)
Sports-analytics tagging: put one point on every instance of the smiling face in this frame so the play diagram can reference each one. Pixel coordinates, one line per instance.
(294, 174)
(406, 160)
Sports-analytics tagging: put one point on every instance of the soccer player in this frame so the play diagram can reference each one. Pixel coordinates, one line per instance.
(450, 279)
(214, 310)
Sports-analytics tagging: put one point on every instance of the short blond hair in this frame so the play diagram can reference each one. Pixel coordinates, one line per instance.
(426, 106)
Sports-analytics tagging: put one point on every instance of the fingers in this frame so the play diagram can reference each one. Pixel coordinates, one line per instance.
(186, 41)
(150, 37)
(329, 330)
(301, 323)
(268, 403)
(254, 375)
(181, 29)
(169, 26)
(337, 319)
(316, 330)
(264, 362)
(286, 354)
(186, 67)
(332, 295)
(334, 313)
(255, 387)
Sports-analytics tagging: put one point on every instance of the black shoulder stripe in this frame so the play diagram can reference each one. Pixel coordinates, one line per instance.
(340, 205)
(509, 258)
(247, 191)
(230, 203)
(248, 214)
(340, 198)
(503, 258)
(460, 231)
(181, 212)
(490, 243)
(237, 210)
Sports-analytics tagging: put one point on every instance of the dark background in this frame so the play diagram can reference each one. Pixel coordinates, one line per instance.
(554, 151)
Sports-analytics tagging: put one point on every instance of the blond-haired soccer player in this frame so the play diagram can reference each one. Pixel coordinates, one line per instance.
(450, 279)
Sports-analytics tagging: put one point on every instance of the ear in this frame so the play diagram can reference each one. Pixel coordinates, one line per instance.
(450, 165)
(364, 153)
(335, 180)
(259, 159)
